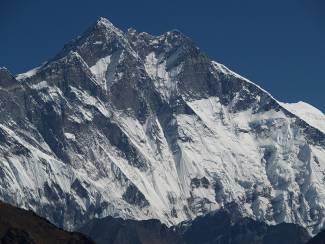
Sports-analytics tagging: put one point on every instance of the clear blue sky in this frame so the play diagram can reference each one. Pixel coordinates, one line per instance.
(278, 44)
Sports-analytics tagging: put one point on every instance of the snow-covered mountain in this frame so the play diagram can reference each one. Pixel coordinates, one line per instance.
(138, 126)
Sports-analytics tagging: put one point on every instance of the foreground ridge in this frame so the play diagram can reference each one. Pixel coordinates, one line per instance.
(21, 226)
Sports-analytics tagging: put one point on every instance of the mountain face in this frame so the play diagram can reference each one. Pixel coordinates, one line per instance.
(131, 125)
(220, 227)
(19, 226)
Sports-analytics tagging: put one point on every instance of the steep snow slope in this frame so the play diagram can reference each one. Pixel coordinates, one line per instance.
(310, 114)
(141, 126)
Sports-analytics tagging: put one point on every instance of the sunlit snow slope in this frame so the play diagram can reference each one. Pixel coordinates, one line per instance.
(307, 112)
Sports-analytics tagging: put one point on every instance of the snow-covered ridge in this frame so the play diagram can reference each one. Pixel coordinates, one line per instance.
(313, 116)
(28, 74)
(307, 112)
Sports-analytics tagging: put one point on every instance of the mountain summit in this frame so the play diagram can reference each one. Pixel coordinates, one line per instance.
(132, 125)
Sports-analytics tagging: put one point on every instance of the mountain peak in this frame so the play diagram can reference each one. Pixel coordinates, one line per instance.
(105, 23)
(103, 20)
(100, 40)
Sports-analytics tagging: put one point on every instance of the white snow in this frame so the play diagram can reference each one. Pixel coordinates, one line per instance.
(41, 85)
(100, 68)
(308, 113)
(87, 99)
(164, 81)
(28, 74)
(70, 136)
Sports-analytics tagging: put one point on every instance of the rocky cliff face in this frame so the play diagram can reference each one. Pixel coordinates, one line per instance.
(137, 126)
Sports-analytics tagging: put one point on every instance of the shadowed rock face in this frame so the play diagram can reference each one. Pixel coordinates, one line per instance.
(220, 227)
(6, 78)
(118, 231)
(226, 228)
(136, 126)
(19, 226)
(318, 239)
